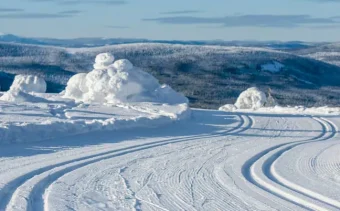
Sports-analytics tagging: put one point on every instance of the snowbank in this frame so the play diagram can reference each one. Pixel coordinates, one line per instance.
(252, 98)
(53, 118)
(294, 110)
(29, 83)
(17, 96)
(119, 82)
(117, 96)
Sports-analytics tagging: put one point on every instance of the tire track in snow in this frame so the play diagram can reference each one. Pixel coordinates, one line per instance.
(40, 179)
(175, 199)
(259, 171)
(295, 187)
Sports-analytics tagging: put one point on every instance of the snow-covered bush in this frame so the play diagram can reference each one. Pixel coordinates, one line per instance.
(252, 98)
(28, 83)
(119, 82)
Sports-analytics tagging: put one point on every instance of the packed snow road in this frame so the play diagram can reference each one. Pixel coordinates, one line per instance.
(214, 161)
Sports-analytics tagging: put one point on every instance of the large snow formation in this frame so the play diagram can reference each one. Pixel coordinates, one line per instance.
(119, 82)
(29, 83)
(21, 88)
(137, 97)
(46, 116)
(252, 98)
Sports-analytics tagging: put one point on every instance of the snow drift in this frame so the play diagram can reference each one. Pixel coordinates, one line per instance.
(18, 96)
(21, 88)
(31, 122)
(117, 96)
(119, 82)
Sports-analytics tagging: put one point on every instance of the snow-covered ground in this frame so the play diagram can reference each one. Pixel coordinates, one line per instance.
(115, 95)
(117, 139)
(214, 160)
(46, 116)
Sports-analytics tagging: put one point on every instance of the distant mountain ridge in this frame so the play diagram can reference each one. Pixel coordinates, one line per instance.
(97, 42)
(210, 76)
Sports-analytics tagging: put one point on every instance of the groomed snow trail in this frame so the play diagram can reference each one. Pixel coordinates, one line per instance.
(214, 161)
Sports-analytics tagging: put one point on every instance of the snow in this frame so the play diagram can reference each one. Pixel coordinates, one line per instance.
(325, 110)
(213, 161)
(113, 96)
(22, 86)
(60, 153)
(119, 82)
(252, 98)
(18, 96)
(228, 107)
(302, 80)
(273, 67)
(103, 60)
(29, 83)
(35, 117)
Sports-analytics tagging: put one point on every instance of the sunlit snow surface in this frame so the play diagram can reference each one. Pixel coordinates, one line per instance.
(214, 160)
(273, 67)
(35, 117)
(63, 152)
(119, 82)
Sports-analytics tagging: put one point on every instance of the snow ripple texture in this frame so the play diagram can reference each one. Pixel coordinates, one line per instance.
(214, 161)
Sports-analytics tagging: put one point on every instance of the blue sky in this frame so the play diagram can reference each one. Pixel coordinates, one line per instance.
(306, 20)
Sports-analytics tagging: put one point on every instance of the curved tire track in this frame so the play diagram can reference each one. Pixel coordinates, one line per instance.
(43, 177)
(269, 180)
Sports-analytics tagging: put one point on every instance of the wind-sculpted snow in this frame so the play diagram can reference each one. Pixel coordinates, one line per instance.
(252, 98)
(21, 88)
(119, 82)
(213, 161)
(18, 96)
(34, 117)
(29, 83)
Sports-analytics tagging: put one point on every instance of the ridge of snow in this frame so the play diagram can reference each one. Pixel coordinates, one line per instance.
(53, 117)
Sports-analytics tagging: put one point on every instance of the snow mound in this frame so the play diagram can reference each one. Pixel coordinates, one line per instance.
(46, 116)
(273, 67)
(22, 86)
(28, 83)
(103, 60)
(252, 98)
(17, 96)
(119, 82)
(228, 107)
